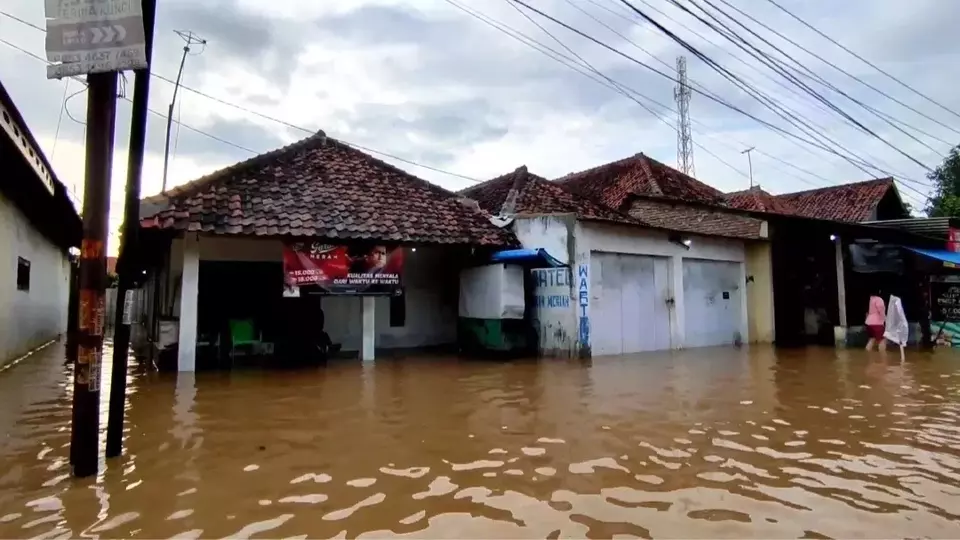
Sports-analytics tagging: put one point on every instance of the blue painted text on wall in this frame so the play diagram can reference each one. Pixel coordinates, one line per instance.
(584, 295)
(552, 287)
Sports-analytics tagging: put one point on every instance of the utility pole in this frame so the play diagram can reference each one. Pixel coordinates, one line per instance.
(101, 121)
(682, 95)
(129, 240)
(190, 39)
(750, 162)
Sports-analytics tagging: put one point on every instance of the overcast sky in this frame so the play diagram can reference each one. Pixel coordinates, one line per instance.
(422, 80)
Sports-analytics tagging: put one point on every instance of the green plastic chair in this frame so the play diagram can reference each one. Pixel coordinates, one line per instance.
(242, 334)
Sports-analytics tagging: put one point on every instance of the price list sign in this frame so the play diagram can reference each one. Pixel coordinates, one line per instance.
(945, 301)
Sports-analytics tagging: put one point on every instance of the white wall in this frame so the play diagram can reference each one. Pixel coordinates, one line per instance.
(29, 318)
(430, 284)
(553, 233)
(597, 237)
(573, 242)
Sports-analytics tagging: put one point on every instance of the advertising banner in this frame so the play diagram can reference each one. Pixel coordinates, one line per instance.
(945, 310)
(316, 268)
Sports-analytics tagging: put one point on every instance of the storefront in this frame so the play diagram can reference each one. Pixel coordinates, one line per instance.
(314, 250)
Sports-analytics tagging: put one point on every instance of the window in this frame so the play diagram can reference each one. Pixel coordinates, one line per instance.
(23, 274)
(398, 311)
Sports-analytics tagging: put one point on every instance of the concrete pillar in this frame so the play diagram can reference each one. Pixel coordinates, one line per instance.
(677, 314)
(840, 332)
(189, 293)
(369, 340)
(745, 336)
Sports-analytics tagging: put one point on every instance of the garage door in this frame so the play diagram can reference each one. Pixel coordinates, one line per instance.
(629, 311)
(711, 300)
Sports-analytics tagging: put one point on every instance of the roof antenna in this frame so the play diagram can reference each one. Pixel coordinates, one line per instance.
(189, 39)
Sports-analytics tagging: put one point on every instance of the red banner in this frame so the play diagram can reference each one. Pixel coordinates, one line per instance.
(953, 240)
(315, 268)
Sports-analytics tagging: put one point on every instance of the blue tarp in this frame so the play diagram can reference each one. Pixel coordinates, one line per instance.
(941, 255)
(538, 258)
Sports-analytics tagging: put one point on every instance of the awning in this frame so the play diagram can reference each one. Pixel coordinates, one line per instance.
(536, 258)
(950, 257)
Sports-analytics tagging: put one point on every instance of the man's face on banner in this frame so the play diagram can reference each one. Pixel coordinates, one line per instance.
(377, 258)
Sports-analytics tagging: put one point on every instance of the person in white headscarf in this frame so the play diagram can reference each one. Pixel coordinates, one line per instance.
(897, 329)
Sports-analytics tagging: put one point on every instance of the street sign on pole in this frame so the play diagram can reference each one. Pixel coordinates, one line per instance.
(94, 36)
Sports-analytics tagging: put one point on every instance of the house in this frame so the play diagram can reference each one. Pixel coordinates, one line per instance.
(257, 240)
(857, 202)
(826, 248)
(653, 265)
(38, 225)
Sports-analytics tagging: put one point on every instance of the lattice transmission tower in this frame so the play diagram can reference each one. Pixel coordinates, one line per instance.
(684, 138)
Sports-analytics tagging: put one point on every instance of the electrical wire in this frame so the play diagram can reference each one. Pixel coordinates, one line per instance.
(707, 94)
(792, 90)
(618, 87)
(772, 104)
(803, 68)
(693, 120)
(777, 66)
(66, 106)
(63, 105)
(848, 74)
(864, 60)
(792, 118)
(247, 110)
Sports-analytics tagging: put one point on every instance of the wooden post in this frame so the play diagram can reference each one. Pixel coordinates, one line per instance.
(101, 120)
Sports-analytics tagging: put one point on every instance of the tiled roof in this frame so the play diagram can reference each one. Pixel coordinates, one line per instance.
(613, 183)
(847, 202)
(694, 218)
(522, 192)
(322, 188)
(758, 200)
(662, 196)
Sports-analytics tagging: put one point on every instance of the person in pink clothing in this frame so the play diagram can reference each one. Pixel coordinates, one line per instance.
(876, 315)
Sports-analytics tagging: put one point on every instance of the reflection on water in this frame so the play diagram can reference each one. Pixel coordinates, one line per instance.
(705, 443)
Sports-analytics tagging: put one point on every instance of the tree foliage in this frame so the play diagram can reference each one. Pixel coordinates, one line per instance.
(945, 201)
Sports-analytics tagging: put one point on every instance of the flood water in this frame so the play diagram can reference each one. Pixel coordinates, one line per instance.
(714, 443)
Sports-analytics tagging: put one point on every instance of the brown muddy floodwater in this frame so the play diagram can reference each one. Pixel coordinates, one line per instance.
(714, 443)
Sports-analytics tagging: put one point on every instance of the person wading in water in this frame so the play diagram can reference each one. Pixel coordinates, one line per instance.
(876, 315)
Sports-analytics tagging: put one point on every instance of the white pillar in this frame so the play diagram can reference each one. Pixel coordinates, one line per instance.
(677, 314)
(369, 342)
(745, 336)
(840, 332)
(189, 290)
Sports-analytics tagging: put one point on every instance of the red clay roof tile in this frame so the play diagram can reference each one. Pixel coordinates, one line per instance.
(847, 202)
(694, 218)
(536, 195)
(613, 183)
(321, 187)
(757, 200)
(655, 193)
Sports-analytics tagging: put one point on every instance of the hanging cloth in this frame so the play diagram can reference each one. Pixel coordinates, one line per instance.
(897, 327)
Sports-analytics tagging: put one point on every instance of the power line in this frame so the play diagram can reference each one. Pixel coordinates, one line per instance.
(766, 100)
(707, 94)
(634, 95)
(792, 90)
(864, 60)
(608, 82)
(821, 80)
(777, 66)
(803, 68)
(251, 111)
